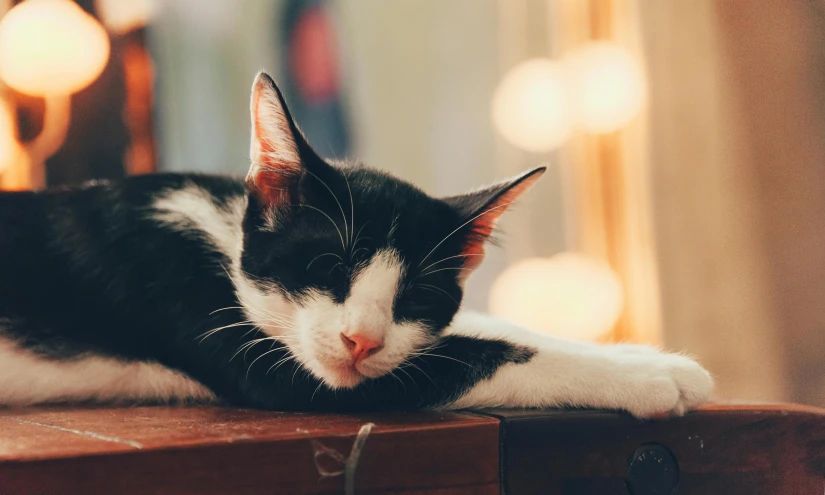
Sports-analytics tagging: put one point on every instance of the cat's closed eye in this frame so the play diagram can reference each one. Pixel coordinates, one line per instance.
(323, 262)
(423, 297)
(327, 269)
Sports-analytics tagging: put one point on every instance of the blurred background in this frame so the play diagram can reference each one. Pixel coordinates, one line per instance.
(684, 204)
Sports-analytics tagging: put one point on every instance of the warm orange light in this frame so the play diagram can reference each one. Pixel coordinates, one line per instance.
(608, 86)
(569, 295)
(51, 47)
(531, 106)
(9, 147)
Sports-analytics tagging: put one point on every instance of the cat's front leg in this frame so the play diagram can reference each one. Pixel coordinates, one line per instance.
(637, 379)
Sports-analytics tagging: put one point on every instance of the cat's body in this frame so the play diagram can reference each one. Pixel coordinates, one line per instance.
(309, 286)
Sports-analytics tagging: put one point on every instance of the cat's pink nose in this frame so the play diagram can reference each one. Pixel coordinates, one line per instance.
(361, 347)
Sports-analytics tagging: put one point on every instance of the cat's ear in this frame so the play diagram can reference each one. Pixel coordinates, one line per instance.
(276, 145)
(480, 210)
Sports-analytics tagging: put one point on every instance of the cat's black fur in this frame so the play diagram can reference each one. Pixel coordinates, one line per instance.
(90, 270)
(308, 286)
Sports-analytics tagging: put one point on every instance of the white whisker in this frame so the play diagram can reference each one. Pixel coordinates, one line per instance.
(445, 357)
(262, 355)
(358, 236)
(279, 363)
(248, 345)
(322, 255)
(226, 309)
(336, 266)
(270, 315)
(316, 391)
(441, 270)
(410, 363)
(297, 369)
(343, 215)
(402, 370)
(399, 379)
(459, 228)
(352, 210)
(438, 344)
(352, 255)
(439, 289)
(343, 244)
(212, 331)
(424, 270)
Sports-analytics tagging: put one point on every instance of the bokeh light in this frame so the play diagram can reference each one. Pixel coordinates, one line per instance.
(122, 16)
(569, 295)
(608, 86)
(51, 47)
(531, 106)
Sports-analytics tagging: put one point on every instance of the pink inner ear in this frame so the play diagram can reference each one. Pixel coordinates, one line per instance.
(271, 186)
(474, 255)
(276, 166)
(484, 225)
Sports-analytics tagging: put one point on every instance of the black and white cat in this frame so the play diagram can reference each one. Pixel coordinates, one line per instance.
(309, 286)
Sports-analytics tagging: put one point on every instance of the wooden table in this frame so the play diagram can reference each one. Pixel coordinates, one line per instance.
(730, 450)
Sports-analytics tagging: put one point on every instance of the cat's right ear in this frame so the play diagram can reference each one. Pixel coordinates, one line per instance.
(275, 147)
(482, 209)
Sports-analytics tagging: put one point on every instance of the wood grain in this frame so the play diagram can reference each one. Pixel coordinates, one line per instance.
(215, 451)
(720, 450)
(771, 449)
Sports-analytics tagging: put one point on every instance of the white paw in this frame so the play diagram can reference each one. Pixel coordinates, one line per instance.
(651, 383)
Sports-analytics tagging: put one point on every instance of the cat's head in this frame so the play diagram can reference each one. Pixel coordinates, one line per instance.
(355, 270)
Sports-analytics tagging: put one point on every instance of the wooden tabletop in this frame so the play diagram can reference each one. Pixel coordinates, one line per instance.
(745, 449)
(731, 450)
(210, 450)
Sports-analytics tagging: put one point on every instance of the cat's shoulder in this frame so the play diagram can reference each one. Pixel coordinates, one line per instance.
(138, 188)
(164, 183)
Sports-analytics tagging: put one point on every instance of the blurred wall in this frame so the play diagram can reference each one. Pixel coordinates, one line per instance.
(738, 151)
(419, 77)
(206, 54)
(713, 275)
(775, 55)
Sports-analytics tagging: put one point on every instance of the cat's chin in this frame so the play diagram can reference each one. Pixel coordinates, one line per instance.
(348, 376)
(342, 376)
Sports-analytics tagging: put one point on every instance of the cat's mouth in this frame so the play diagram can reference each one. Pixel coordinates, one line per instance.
(349, 375)
(344, 375)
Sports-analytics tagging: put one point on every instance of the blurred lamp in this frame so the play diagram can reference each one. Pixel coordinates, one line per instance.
(608, 86)
(122, 16)
(51, 47)
(569, 295)
(9, 147)
(530, 106)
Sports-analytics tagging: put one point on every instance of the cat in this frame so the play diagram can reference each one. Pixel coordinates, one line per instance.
(310, 285)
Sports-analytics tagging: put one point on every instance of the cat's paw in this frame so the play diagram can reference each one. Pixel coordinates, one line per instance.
(657, 384)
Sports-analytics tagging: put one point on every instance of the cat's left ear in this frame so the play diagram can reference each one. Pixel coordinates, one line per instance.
(480, 210)
(276, 146)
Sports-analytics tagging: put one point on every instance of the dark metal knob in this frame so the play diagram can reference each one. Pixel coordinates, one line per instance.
(652, 470)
